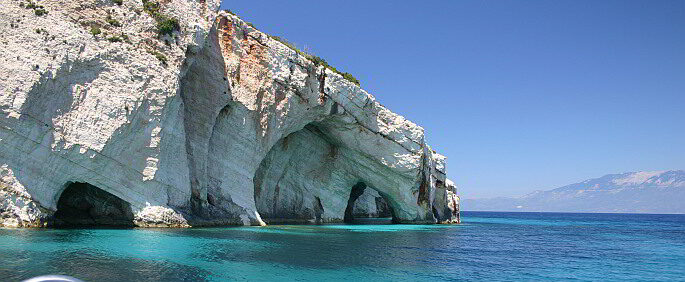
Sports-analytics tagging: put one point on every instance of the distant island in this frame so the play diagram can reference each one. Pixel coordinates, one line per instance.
(632, 192)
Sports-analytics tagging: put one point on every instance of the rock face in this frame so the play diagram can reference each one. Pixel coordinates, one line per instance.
(214, 123)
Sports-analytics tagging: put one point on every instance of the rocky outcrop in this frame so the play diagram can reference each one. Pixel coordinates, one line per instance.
(213, 123)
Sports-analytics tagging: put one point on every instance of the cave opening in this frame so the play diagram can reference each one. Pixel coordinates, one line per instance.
(313, 175)
(85, 205)
(367, 206)
(357, 191)
(295, 181)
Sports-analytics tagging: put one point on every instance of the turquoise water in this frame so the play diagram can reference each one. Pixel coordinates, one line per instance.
(487, 246)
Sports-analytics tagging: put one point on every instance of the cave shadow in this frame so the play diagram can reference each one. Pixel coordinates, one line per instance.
(82, 205)
(383, 215)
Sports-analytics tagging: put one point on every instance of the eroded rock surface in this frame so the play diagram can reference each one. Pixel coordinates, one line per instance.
(371, 204)
(228, 126)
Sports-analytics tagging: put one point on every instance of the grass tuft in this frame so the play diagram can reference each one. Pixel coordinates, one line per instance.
(166, 25)
(95, 30)
(113, 22)
(114, 39)
(159, 56)
(39, 10)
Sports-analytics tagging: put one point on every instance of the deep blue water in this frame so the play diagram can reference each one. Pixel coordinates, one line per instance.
(487, 246)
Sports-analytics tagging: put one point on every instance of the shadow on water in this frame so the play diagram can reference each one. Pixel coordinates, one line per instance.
(371, 221)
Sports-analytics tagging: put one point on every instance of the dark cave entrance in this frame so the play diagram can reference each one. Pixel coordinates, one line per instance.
(85, 205)
(370, 209)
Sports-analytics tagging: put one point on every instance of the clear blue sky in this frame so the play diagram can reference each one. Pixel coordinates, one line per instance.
(519, 95)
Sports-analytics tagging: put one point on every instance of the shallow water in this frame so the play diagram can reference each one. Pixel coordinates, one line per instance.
(487, 246)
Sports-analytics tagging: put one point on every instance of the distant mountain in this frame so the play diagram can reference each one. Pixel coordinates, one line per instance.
(633, 192)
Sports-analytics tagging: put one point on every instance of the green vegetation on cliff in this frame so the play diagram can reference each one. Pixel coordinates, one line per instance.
(165, 24)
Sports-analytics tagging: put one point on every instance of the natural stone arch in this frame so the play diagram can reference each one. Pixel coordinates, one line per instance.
(311, 177)
(366, 202)
(370, 204)
(357, 191)
(83, 204)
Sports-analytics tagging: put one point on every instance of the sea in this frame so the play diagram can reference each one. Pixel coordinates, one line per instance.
(487, 246)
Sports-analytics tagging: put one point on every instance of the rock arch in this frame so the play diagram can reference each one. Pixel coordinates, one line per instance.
(366, 202)
(314, 176)
(370, 204)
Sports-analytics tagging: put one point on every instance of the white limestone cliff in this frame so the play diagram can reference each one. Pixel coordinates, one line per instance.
(215, 124)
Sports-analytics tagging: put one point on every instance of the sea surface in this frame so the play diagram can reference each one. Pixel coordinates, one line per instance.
(488, 246)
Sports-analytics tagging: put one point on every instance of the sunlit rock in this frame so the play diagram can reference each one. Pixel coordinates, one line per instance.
(215, 124)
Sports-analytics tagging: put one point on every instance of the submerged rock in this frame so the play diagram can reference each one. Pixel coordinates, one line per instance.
(212, 123)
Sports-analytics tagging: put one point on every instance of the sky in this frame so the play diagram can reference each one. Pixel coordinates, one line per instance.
(519, 95)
